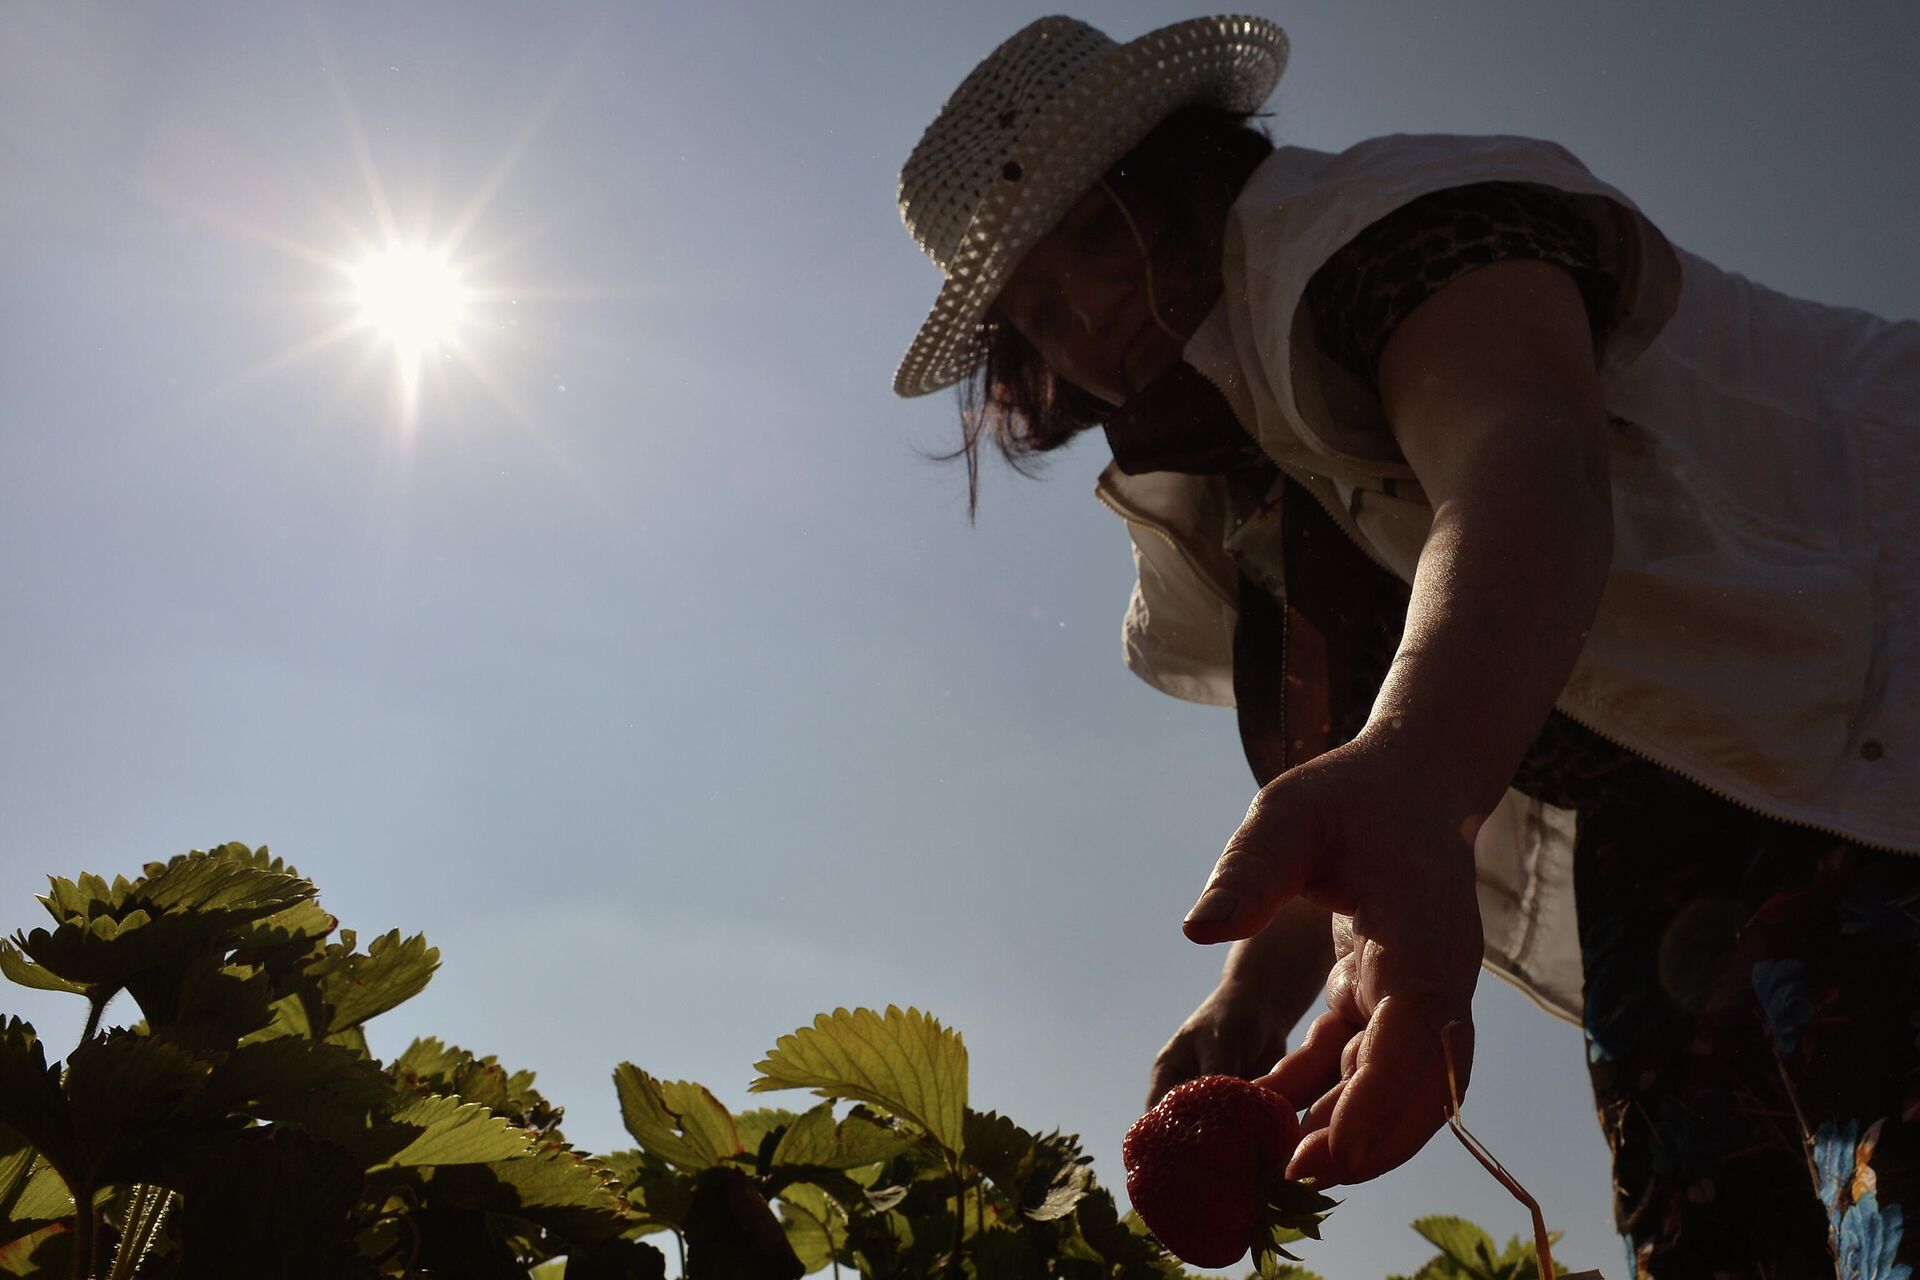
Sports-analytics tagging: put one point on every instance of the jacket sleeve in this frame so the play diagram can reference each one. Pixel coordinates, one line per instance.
(1294, 218)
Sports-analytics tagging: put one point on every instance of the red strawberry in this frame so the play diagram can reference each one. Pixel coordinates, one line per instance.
(1201, 1166)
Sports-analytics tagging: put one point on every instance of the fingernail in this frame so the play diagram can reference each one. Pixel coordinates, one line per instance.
(1214, 906)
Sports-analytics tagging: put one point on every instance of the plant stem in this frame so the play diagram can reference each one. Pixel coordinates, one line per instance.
(956, 1265)
(1542, 1247)
(144, 1216)
(136, 1210)
(83, 1230)
(95, 1007)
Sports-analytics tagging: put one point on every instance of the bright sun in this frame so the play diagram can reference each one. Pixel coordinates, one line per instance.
(411, 297)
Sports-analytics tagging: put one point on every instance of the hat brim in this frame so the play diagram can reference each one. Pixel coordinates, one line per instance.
(1232, 63)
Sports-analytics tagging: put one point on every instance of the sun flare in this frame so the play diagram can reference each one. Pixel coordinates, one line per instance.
(410, 296)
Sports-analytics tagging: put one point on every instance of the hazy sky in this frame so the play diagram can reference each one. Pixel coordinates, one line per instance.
(652, 669)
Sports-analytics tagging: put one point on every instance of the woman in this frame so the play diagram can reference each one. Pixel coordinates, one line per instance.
(1567, 588)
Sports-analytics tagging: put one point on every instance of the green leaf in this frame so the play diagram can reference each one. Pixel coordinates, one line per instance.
(280, 940)
(450, 1131)
(201, 1002)
(904, 1061)
(32, 1194)
(392, 970)
(271, 1201)
(15, 965)
(321, 1087)
(132, 1100)
(220, 889)
(1461, 1243)
(234, 853)
(659, 1193)
(106, 934)
(677, 1120)
(806, 1218)
(1045, 1177)
(813, 1139)
(433, 1067)
(756, 1124)
(1124, 1243)
(31, 1102)
(45, 1252)
(563, 1190)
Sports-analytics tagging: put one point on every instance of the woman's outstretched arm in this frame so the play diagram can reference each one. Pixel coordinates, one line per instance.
(1491, 391)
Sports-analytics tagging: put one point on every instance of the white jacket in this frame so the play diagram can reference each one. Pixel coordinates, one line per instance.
(1760, 628)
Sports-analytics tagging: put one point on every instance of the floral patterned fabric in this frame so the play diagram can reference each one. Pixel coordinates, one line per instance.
(1753, 1035)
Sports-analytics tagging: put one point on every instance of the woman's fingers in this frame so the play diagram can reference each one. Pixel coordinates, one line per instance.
(1314, 1067)
(1176, 1063)
(1397, 1096)
(1266, 862)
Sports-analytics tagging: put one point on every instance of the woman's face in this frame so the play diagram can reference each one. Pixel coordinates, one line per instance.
(1080, 297)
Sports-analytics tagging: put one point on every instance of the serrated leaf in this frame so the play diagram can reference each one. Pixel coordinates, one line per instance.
(561, 1189)
(271, 1201)
(32, 1194)
(999, 1251)
(31, 1102)
(15, 965)
(220, 888)
(904, 1061)
(107, 934)
(1461, 1242)
(132, 1100)
(433, 1067)
(1124, 1243)
(320, 1087)
(756, 1123)
(47, 1251)
(677, 1120)
(807, 1216)
(1045, 1177)
(201, 1002)
(995, 1145)
(1061, 1190)
(391, 970)
(235, 852)
(429, 1058)
(281, 939)
(815, 1140)
(659, 1193)
(454, 1132)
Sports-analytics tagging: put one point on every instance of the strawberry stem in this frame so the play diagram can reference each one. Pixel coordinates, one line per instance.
(1478, 1150)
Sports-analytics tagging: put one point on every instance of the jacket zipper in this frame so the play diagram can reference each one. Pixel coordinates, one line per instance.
(1199, 571)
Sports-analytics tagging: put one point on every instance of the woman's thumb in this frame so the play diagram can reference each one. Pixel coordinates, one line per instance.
(1266, 862)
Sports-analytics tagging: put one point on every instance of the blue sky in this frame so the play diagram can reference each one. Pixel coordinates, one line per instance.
(652, 670)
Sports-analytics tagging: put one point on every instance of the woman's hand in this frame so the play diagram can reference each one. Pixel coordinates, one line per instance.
(1236, 1031)
(1378, 831)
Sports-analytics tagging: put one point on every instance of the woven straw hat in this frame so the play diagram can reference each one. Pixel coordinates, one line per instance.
(1029, 131)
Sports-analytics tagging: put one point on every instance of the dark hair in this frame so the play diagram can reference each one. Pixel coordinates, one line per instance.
(1195, 161)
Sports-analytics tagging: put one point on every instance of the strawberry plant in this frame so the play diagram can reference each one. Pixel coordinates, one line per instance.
(242, 1128)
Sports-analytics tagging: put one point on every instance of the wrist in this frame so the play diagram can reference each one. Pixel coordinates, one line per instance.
(1449, 770)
